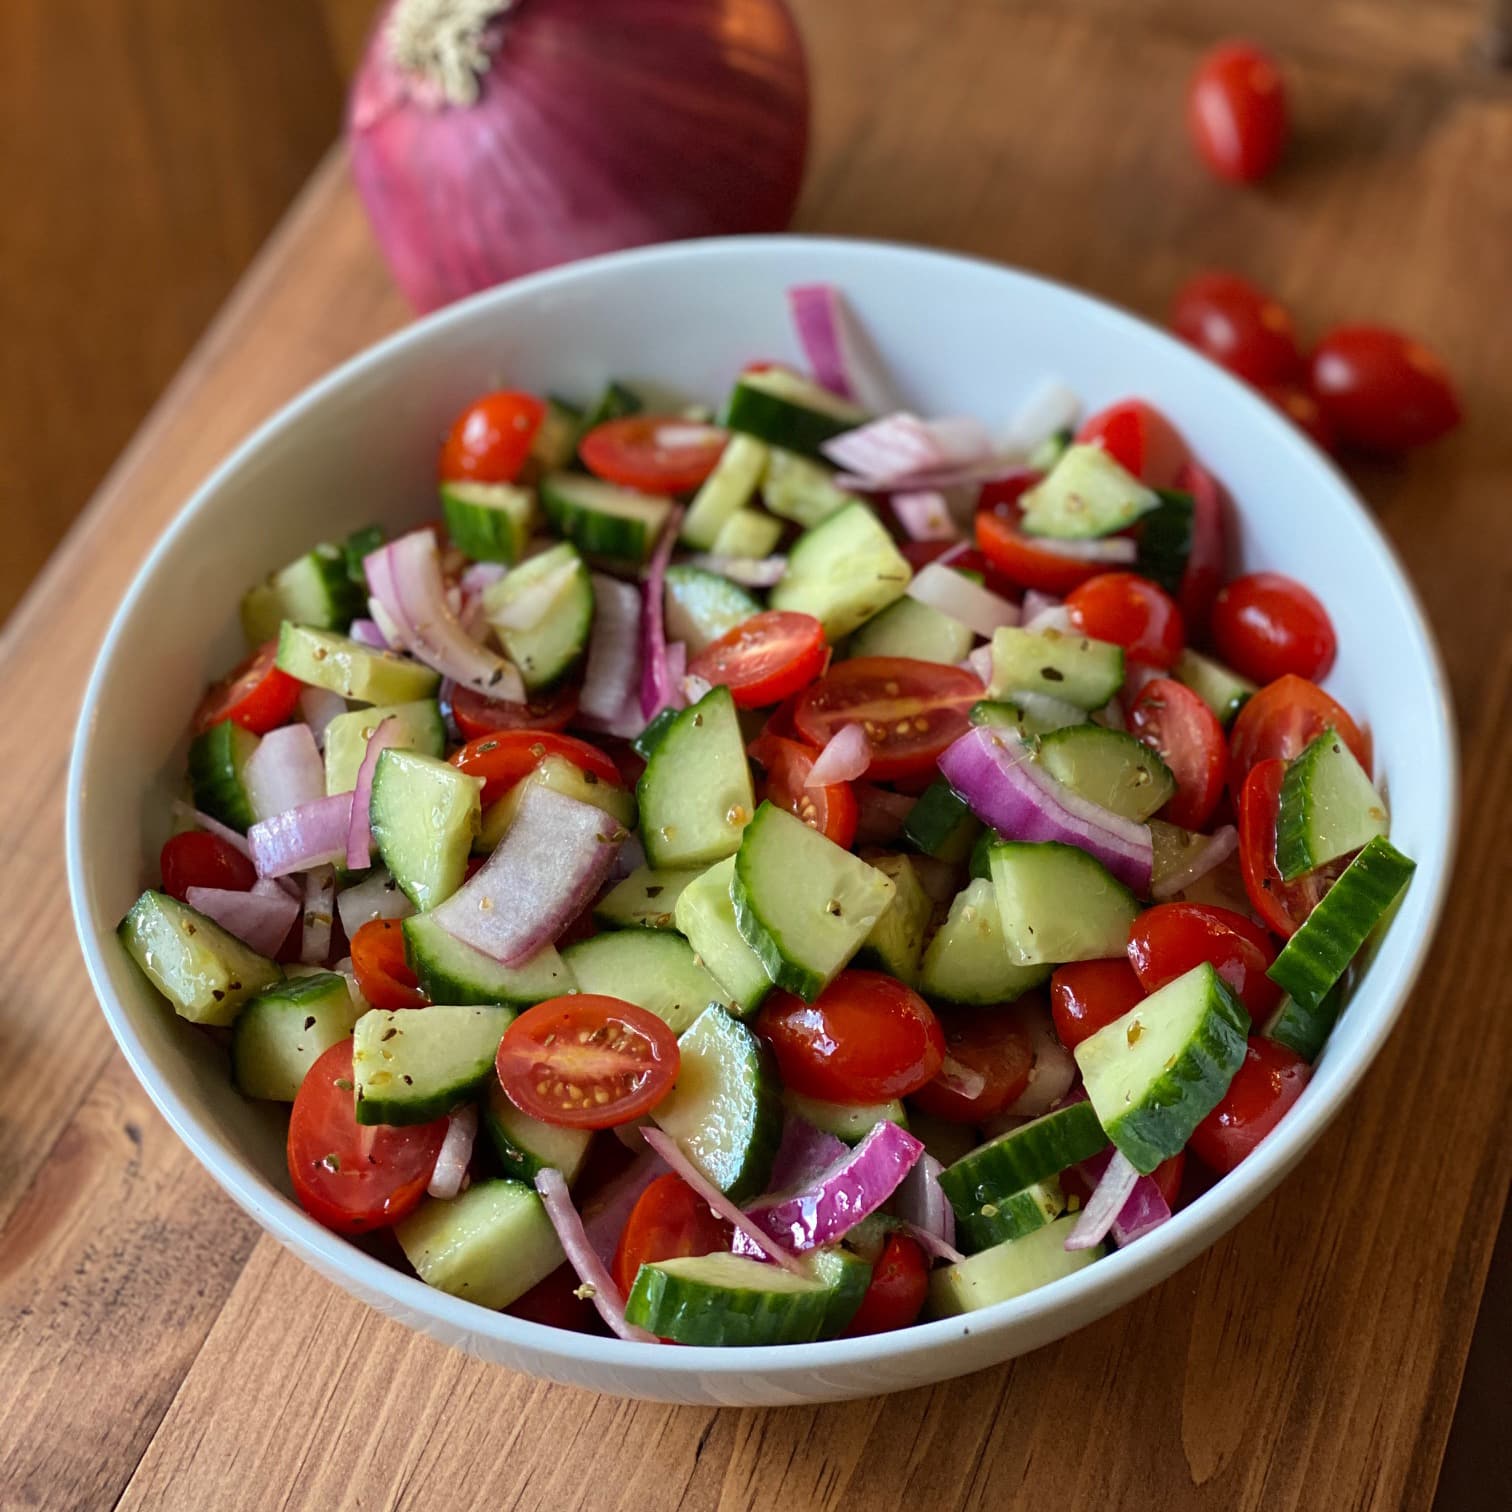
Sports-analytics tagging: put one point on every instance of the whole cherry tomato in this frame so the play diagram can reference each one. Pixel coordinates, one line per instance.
(1236, 112)
(1086, 996)
(258, 696)
(1266, 625)
(1269, 1080)
(896, 1292)
(1239, 326)
(490, 440)
(198, 859)
(1282, 719)
(1381, 390)
(668, 1222)
(1167, 941)
(1132, 612)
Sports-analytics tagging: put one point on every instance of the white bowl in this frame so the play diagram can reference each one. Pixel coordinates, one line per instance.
(963, 337)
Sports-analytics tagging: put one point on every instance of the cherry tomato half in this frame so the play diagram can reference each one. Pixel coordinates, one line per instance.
(654, 453)
(1025, 562)
(1086, 996)
(1132, 612)
(831, 810)
(354, 1178)
(1301, 407)
(764, 659)
(1167, 941)
(910, 710)
(669, 1221)
(383, 973)
(988, 1058)
(1266, 625)
(587, 1061)
(865, 1039)
(1382, 391)
(477, 714)
(897, 1290)
(1282, 905)
(502, 758)
(1173, 721)
(1236, 112)
(1204, 569)
(1239, 326)
(490, 440)
(198, 859)
(258, 696)
(1269, 1080)
(1282, 719)
(1140, 439)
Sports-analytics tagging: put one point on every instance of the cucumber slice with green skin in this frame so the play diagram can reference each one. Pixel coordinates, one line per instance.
(561, 776)
(412, 1066)
(803, 904)
(603, 520)
(283, 1031)
(1010, 1216)
(490, 522)
(979, 863)
(525, 1145)
(1058, 904)
(1328, 808)
(843, 572)
(728, 1300)
(967, 961)
(701, 606)
(420, 728)
(453, 972)
(204, 971)
(1085, 494)
(844, 1121)
(1013, 1162)
(556, 439)
(649, 738)
(695, 795)
(1109, 768)
(1303, 1029)
(725, 1109)
(217, 773)
(783, 409)
(1221, 689)
(1156, 1073)
(1165, 539)
(646, 899)
(315, 589)
(748, 533)
(547, 651)
(941, 824)
(1009, 1270)
(1072, 668)
(355, 671)
(725, 492)
(1314, 959)
(897, 938)
(357, 548)
(800, 490)
(489, 1245)
(705, 914)
(615, 402)
(654, 970)
(424, 815)
(909, 628)
(1035, 717)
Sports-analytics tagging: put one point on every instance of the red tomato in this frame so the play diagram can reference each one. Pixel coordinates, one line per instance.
(1282, 719)
(896, 1292)
(490, 440)
(1132, 612)
(477, 714)
(1204, 568)
(1382, 391)
(1282, 905)
(257, 696)
(505, 756)
(1086, 996)
(910, 710)
(350, 1177)
(1025, 562)
(1236, 112)
(1172, 720)
(990, 1044)
(1140, 439)
(587, 1061)
(831, 810)
(764, 659)
(198, 859)
(555, 1303)
(865, 1039)
(1167, 941)
(669, 1220)
(1269, 1080)
(383, 974)
(1301, 407)
(1239, 326)
(1266, 625)
(633, 453)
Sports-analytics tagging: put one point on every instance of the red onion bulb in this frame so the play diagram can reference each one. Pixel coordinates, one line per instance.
(490, 138)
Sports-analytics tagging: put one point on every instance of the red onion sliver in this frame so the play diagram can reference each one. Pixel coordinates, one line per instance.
(1105, 1203)
(234, 838)
(901, 450)
(259, 919)
(366, 633)
(1211, 854)
(695, 687)
(846, 756)
(480, 576)
(980, 662)
(816, 317)
(377, 896)
(1054, 617)
(1035, 603)
(749, 572)
(965, 1081)
(359, 845)
(656, 686)
(315, 834)
(612, 676)
(922, 1203)
(979, 609)
(1053, 1073)
(284, 772)
(450, 1173)
(805, 1153)
(318, 707)
(990, 469)
(319, 905)
(925, 515)
(604, 1218)
(932, 1244)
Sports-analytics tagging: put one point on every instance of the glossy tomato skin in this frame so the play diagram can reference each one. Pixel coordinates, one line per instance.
(1140, 439)
(1167, 941)
(1173, 721)
(1240, 326)
(476, 714)
(555, 1303)
(669, 1221)
(1381, 391)
(766, 658)
(1300, 406)
(490, 440)
(1269, 1080)
(990, 1043)
(1132, 612)
(630, 452)
(865, 1039)
(1025, 562)
(350, 1178)
(1236, 112)
(832, 809)
(382, 971)
(258, 696)
(1086, 996)
(1282, 905)
(1266, 625)
(896, 1293)
(1205, 557)
(198, 859)
(503, 757)
(1282, 719)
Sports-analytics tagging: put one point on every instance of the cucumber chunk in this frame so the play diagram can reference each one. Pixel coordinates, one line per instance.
(525, 1145)
(783, 409)
(356, 549)
(420, 728)
(725, 492)
(1009, 1270)
(1072, 668)
(1156, 1073)
(725, 1109)
(803, 904)
(1165, 539)
(1058, 904)
(561, 776)
(646, 899)
(1306, 1029)
(1085, 494)
(918, 631)
(1029, 714)
(284, 1030)
(701, 606)
(1221, 689)
(490, 522)
(351, 669)
(800, 490)
(1109, 768)
(315, 589)
(424, 815)
(1009, 1216)
(705, 915)
(556, 439)
(695, 795)
(217, 773)
(654, 970)
(842, 572)
(602, 520)
(414, 1065)
(941, 824)
(748, 533)
(1328, 808)
(897, 938)
(649, 738)
(550, 648)
(1033, 1153)
(967, 960)
(451, 971)
(490, 1245)
(850, 1122)
(204, 971)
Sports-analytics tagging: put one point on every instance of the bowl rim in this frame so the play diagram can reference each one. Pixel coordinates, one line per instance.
(1124, 1273)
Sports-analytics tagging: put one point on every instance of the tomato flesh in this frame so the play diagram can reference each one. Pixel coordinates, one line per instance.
(1240, 326)
(669, 1221)
(381, 968)
(1282, 905)
(1132, 612)
(1140, 439)
(991, 1046)
(1382, 391)
(1282, 719)
(504, 757)
(1236, 112)
(1269, 1080)
(490, 440)
(765, 658)
(1173, 721)
(258, 696)
(1167, 941)
(1086, 996)
(199, 859)
(832, 809)
(896, 1293)
(1267, 625)
(476, 714)
(635, 452)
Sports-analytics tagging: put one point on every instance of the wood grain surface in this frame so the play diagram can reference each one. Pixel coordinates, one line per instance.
(155, 1350)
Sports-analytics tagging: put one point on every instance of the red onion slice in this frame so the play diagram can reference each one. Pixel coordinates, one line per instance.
(604, 1218)
(284, 772)
(657, 687)
(1055, 617)
(992, 468)
(376, 897)
(1052, 1075)
(612, 675)
(932, 1244)
(1214, 850)
(259, 919)
(319, 906)
(924, 515)
(694, 687)
(979, 609)
(979, 663)
(318, 707)
(450, 1173)
(480, 576)
(846, 756)
(234, 838)
(366, 633)
(359, 845)
(900, 450)
(923, 1205)
(804, 1154)
(1103, 1207)
(1145, 1209)
(315, 834)
(1034, 604)
(965, 1081)
(749, 572)
(816, 317)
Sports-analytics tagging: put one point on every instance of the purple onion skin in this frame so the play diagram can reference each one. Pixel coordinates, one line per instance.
(602, 124)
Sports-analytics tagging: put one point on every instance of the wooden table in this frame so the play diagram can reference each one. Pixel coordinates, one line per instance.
(157, 1350)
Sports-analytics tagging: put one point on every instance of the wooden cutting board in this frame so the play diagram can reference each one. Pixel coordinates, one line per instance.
(155, 1348)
